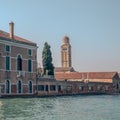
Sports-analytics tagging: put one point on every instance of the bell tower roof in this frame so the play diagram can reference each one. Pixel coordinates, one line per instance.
(65, 40)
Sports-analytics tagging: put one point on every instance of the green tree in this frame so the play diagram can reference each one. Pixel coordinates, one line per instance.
(48, 68)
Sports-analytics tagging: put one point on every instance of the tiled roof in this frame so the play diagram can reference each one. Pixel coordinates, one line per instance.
(85, 75)
(64, 69)
(16, 38)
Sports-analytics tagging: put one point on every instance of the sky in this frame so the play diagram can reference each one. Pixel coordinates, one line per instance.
(93, 27)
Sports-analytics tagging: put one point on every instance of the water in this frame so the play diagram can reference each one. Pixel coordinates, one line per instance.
(101, 107)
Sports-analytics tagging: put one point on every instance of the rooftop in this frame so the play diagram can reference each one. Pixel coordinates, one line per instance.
(6, 36)
(84, 75)
(64, 69)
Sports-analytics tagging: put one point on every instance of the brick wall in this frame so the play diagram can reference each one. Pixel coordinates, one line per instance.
(12, 74)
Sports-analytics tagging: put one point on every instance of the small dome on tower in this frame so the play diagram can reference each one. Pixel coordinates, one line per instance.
(65, 40)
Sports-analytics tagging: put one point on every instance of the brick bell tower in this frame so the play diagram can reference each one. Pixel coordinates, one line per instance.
(66, 52)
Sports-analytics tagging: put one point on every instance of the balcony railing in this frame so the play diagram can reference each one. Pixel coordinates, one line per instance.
(21, 74)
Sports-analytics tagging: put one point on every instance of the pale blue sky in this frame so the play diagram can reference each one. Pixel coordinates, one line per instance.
(93, 27)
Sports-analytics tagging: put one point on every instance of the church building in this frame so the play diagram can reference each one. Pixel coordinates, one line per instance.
(95, 81)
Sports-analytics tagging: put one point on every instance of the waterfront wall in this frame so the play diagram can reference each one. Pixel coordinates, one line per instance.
(46, 87)
(52, 87)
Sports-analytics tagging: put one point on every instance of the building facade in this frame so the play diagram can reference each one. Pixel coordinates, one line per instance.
(72, 83)
(89, 82)
(18, 63)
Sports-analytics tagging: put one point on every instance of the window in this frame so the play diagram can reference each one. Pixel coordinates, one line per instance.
(29, 52)
(117, 86)
(40, 87)
(29, 65)
(30, 87)
(81, 88)
(19, 63)
(46, 88)
(7, 86)
(98, 87)
(7, 63)
(7, 48)
(52, 87)
(19, 87)
(59, 87)
(90, 88)
(69, 88)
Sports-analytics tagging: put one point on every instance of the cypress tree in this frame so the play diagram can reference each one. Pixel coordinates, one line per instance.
(48, 68)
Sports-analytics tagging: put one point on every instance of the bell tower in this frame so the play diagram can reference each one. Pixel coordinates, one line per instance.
(66, 52)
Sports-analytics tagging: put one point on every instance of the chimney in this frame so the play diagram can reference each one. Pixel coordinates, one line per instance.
(11, 27)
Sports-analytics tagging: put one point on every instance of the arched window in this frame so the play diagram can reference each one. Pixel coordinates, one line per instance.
(7, 86)
(19, 87)
(29, 65)
(30, 87)
(19, 63)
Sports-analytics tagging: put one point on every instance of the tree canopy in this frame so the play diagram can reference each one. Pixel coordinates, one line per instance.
(48, 68)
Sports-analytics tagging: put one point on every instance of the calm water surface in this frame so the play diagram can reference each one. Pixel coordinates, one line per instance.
(101, 107)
